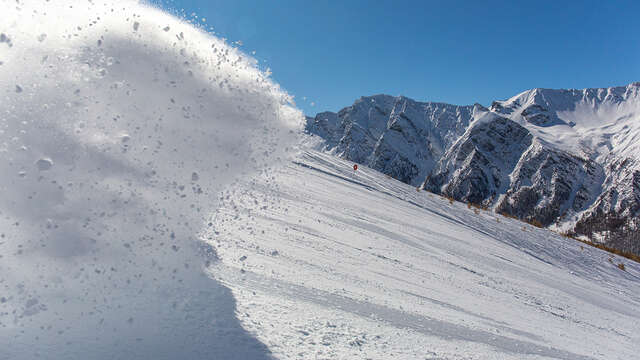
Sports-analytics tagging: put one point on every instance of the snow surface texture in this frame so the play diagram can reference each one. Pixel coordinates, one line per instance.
(328, 263)
(119, 127)
(568, 159)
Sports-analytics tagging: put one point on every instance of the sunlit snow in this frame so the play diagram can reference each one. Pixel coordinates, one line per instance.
(329, 263)
(155, 204)
(119, 126)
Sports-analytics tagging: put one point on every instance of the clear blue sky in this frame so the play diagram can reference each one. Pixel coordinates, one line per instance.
(459, 52)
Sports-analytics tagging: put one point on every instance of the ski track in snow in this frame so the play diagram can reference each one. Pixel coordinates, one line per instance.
(329, 263)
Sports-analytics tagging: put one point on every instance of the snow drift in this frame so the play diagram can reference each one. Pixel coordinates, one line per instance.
(119, 126)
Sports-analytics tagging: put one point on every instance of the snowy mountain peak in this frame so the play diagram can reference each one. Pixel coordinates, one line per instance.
(401, 137)
(544, 155)
(599, 123)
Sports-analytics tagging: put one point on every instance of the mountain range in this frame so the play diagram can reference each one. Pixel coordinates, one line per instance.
(568, 160)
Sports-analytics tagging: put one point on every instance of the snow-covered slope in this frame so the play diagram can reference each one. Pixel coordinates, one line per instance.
(569, 159)
(330, 263)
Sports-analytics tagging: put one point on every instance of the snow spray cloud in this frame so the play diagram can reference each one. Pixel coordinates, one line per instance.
(119, 127)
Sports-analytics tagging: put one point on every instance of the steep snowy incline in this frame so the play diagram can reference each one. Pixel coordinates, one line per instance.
(330, 263)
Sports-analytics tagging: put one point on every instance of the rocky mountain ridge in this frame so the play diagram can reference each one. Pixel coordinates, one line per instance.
(564, 159)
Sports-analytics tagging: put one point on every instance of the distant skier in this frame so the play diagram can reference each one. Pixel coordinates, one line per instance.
(355, 167)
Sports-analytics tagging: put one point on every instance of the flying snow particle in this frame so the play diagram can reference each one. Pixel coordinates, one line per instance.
(5, 39)
(44, 164)
(115, 208)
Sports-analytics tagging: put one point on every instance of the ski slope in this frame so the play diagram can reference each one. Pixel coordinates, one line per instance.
(328, 263)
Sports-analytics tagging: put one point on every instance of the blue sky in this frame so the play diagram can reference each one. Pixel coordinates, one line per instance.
(459, 52)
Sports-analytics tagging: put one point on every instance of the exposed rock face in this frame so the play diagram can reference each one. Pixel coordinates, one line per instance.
(397, 136)
(568, 159)
(614, 218)
(549, 184)
(476, 168)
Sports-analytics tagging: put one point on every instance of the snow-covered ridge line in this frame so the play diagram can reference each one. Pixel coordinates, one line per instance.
(569, 159)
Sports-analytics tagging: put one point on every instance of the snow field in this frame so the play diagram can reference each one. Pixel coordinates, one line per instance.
(317, 242)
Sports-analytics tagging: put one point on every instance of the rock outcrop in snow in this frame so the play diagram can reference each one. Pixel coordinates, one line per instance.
(395, 135)
(567, 159)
